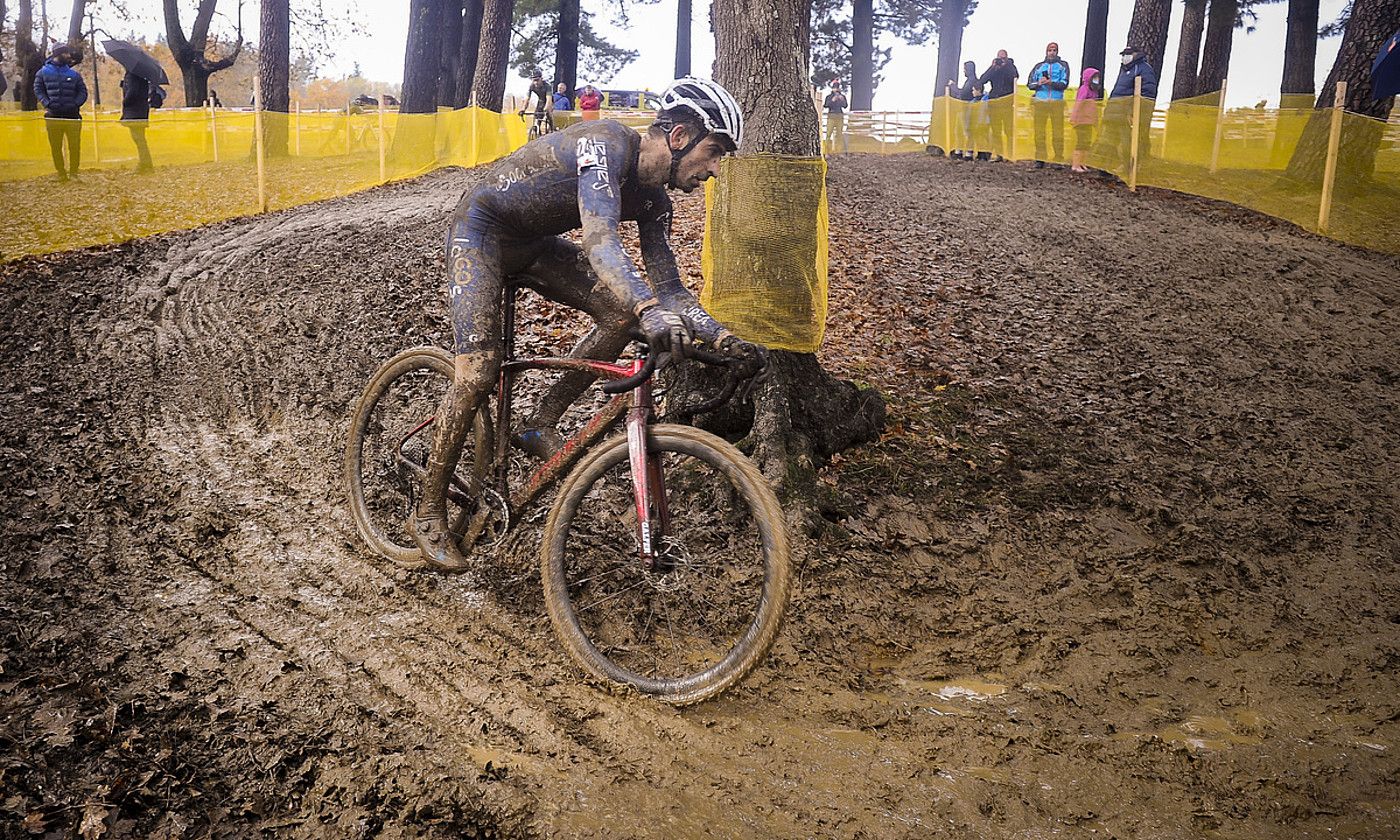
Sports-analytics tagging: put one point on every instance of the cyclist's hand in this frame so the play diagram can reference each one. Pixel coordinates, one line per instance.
(752, 358)
(665, 330)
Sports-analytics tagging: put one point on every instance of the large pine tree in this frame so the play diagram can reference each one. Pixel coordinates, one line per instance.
(493, 56)
(1188, 50)
(1300, 54)
(1148, 30)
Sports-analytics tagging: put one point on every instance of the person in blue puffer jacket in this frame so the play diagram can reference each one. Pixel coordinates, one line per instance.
(1048, 80)
(60, 89)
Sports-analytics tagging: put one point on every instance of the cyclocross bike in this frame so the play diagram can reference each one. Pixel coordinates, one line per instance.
(664, 559)
(543, 124)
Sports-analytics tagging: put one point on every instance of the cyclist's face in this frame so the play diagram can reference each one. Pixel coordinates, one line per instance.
(700, 164)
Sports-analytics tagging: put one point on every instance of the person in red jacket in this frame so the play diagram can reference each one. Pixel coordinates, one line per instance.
(589, 102)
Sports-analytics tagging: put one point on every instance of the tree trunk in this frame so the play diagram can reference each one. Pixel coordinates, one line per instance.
(76, 41)
(494, 54)
(1188, 51)
(195, 66)
(274, 71)
(421, 57)
(566, 49)
(862, 55)
(1300, 54)
(1372, 22)
(451, 52)
(952, 18)
(683, 14)
(467, 51)
(801, 414)
(27, 54)
(1148, 30)
(4, 82)
(1096, 37)
(1220, 38)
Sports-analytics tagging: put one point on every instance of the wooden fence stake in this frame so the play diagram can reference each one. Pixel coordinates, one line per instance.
(96, 149)
(382, 171)
(1219, 128)
(213, 131)
(348, 126)
(297, 133)
(884, 132)
(1329, 175)
(948, 120)
(1135, 122)
(258, 142)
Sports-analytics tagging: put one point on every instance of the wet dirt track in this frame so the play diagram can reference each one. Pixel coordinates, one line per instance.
(1124, 566)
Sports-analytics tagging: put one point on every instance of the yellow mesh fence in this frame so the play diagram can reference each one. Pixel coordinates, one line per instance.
(1270, 160)
(765, 250)
(206, 167)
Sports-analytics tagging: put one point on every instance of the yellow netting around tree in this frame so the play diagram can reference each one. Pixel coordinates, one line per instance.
(1270, 160)
(206, 170)
(765, 250)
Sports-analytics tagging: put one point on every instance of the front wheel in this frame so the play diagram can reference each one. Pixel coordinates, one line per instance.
(704, 617)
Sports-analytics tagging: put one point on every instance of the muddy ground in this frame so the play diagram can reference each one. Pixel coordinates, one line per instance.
(1124, 565)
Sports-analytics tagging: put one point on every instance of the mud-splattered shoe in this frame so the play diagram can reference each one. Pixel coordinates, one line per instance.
(538, 443)
(439, 549)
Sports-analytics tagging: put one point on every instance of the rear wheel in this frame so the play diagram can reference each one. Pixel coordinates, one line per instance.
(709, 612)
(387, 451)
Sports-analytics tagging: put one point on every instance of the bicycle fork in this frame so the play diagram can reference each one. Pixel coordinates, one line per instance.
(648, 482)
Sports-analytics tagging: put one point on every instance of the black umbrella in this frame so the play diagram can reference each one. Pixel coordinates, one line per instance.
(137, 60)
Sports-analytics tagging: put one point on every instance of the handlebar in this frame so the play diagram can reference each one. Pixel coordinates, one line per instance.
(617, 386)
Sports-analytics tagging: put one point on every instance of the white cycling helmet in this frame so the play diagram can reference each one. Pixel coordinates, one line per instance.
(708, 100)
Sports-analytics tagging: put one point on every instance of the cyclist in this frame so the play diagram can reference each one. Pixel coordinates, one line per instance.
(507, 230)
(544, 101)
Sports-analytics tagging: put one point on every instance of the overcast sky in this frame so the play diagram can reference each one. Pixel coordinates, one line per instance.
(1256, 64)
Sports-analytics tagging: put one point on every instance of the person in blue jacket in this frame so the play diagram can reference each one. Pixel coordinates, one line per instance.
(1048, 80)
(61, 91)
(562, 102)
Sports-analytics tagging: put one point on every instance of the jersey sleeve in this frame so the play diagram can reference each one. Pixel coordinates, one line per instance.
(654, 228)
(601, 157)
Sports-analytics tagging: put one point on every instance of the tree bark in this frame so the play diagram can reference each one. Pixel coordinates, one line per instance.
(1300, 53)
(274, 71)
(467, 51)
(683, 14)
(801, 414)
(566, 48)
(4, 82)
(1188, 51)
(494, 54)
(1148, 30)
(952, 19)
(422, 57)
(27, 54)
(451, 52)
(1096, 37)
(1372, 22)
(195, 66)
(862, 55)
(76, 41)
(1220, 38)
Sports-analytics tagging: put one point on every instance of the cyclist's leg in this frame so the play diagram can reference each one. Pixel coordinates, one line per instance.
(475, 280)
(562, 274)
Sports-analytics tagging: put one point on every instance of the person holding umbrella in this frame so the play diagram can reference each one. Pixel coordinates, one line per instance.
(140, 93)
(62, 92)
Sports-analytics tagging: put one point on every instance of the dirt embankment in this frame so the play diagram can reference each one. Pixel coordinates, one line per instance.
(1124, 566)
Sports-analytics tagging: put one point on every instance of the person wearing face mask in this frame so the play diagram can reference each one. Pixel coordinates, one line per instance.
(1085, 116)
(1048, 80)
(1118, 115)
(62, 92)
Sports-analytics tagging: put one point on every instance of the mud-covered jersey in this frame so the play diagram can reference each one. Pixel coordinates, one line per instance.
(585, 177)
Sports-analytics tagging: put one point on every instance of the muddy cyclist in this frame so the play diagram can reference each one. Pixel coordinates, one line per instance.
(507, 230)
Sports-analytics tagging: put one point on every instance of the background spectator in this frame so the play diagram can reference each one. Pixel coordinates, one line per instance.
(562, 102)
(589, 101)
(138, 98)
(836, 105)
(1118, 115)
(62, 92)
(1085, 115)
(1000, 80)
(1049, 79)
(970, 92)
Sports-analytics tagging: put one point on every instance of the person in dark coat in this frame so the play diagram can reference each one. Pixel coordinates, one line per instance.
(138, 98)
(1001, 79)
(836, 106)
(1117, 123)
(970, 92)
(62, 92)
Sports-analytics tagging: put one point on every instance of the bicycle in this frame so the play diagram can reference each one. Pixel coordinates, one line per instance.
(664, 558)
(542, 125)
